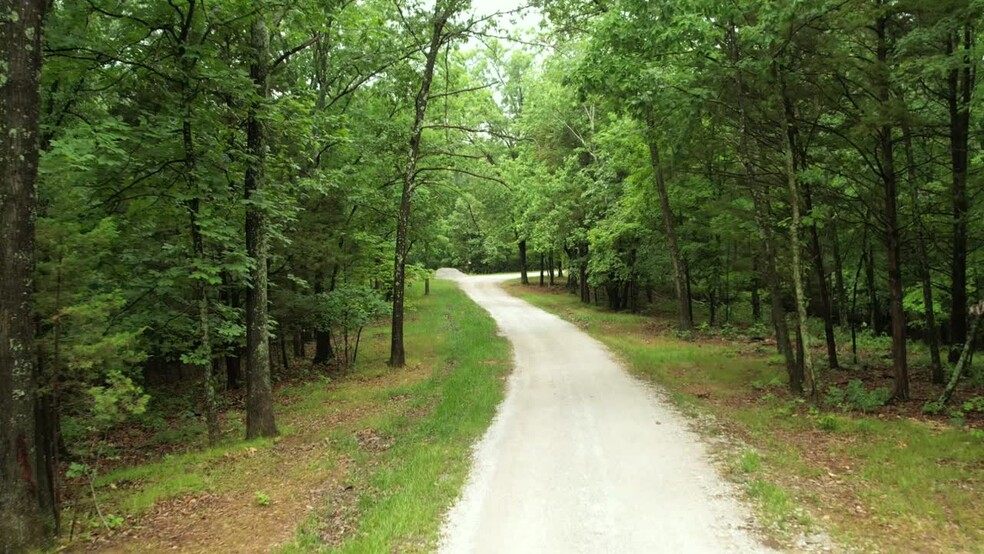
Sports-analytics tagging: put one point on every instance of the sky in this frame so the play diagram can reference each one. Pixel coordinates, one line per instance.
(529, 19)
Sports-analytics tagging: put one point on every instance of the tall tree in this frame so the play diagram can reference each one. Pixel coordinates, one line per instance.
(27, 499)
(259, 391)
(444, 10)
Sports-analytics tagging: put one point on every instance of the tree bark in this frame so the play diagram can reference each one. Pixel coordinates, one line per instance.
(892, 231)
(542, 269)
(826, 304)
(768, 246)
(874, 321)
(259, 390)
(795, 248)
(522, 262)
(839, 287)
(922, 265)
(756, 300)
(686, 318)
(27, 499)
(397, 350)
(963, 361)
(550, 264)
(960, 89)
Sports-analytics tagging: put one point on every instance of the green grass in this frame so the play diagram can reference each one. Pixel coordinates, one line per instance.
(883, 482)
(391, 446)
(415, 481)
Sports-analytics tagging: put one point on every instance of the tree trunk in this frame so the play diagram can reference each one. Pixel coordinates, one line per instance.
(964, 360)
(686, 319)
(755, 286)
(283, 353)
(298, 343)
(960, 89)
(768, 245)
(427, 286)
(522, 262)
(582, 279)
(259, 390)
(826, 304)
(204, 354)
(892, 231)
(795, 248)
(840, 289)
(322, 347)
(542, 268)
(233, 369)
(397, 349)
(550, 264)
(869, 277)
(922, 265)
(27, 499)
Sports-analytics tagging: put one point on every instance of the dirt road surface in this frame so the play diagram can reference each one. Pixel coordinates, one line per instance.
(584, 458)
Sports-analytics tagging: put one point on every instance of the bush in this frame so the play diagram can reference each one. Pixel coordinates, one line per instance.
(855, 397)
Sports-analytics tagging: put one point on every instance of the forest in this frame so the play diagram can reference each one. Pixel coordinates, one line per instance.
(199, 195)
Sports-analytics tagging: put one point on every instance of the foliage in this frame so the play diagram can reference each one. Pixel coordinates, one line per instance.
(346, 311)
(855, 396)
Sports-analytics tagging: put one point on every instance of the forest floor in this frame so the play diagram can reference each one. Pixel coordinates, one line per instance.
(367, 461)
(889, 480)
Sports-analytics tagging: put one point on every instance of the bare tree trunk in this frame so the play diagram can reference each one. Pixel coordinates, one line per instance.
(397, 350)
(550, 264)
(259, 389)
(686, 318)
(27, 499)
(542, 268)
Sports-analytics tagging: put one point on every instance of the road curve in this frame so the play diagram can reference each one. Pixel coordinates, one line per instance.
(581, 457)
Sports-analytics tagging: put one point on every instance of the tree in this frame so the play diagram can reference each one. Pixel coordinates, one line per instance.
(444, 10)
(27, 498)
(259, 391)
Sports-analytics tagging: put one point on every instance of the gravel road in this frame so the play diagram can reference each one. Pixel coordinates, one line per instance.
(584, 458)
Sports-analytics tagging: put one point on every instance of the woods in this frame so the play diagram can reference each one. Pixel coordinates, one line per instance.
(200, 196)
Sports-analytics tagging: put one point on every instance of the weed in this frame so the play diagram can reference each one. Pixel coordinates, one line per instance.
(262, 498)
(975, 404)
(828, 422)
(749, 462)
(856, 397)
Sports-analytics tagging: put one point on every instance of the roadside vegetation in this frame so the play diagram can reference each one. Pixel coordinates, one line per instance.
(876, 476)
(368, 459)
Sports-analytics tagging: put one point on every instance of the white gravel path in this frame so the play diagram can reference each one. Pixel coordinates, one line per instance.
(582, 457)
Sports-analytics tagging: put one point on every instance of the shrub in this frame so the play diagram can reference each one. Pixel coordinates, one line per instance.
(855, 397)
